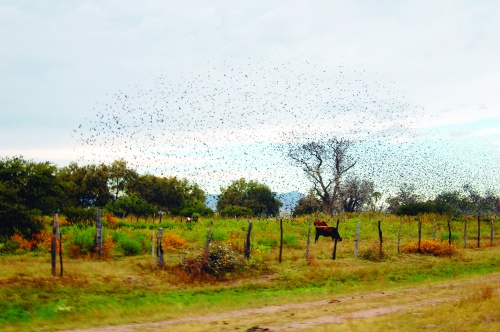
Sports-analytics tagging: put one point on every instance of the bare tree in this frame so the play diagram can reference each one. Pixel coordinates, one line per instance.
(324, 162)
(357, 194)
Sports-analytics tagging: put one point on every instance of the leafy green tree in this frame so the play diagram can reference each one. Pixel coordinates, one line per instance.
(86, 186)
(236, 211)
(119, 177)
(415, 208)
(406, 194)
(27, 190)
(307, 205)
(126, 205)
(177, 196)
(252, 195)
(80, 216)
(450, 203)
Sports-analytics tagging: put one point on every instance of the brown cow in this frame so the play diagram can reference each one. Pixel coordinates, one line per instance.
(318, 222)
(327, 231)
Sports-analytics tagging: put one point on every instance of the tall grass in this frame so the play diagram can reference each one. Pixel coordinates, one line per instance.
(127, 286)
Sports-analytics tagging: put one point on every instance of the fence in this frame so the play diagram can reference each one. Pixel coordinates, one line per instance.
(388, 232)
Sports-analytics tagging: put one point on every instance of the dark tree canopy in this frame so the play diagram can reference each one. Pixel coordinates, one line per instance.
(27, 190)
(172, 195)
(307, 205)
(254, 196)
(86, 186)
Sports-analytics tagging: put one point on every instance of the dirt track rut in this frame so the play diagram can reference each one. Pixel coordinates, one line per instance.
(291, 317)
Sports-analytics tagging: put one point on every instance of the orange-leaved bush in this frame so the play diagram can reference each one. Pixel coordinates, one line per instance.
(172, 242)
(430, 247)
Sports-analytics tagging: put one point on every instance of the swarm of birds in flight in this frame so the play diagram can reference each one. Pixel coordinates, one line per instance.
(221, 122)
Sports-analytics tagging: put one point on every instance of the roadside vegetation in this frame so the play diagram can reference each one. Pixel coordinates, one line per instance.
(126, 285)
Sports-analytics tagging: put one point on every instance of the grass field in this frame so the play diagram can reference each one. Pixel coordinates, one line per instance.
(123, 289)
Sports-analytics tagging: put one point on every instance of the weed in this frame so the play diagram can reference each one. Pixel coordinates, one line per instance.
(373, 253)
(173, 242)
(218, 262)
(130, 247)
(430, 247)
(483, 294)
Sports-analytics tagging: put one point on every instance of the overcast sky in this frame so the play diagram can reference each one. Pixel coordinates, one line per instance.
(58, 59)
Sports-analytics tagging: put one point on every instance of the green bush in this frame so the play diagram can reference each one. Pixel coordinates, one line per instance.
(121, 224)
(268, 242)
(219, 235)
(130, 247)
(290, 241)
(117, 236)
(83, 239)
(454, 237)
(80, 216)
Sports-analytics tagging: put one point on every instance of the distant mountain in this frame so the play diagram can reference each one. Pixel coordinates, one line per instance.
(289, 200)
(211, 200)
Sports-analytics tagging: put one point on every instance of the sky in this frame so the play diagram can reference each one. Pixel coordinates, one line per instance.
(207, 89)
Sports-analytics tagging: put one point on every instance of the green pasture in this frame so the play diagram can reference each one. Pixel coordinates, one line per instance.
(126, 285)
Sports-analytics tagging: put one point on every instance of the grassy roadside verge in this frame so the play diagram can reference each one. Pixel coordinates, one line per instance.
(94, 293)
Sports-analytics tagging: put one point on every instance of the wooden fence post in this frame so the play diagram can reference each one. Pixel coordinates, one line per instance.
(356, 242)
(247, 241)
(334, 254)
(60, 253)
(159, 250)
(492, 233)
(465, 233)
(281, 240)
(209, 238)
(308, 238)
(478, 230)
(380, 238)
(449, 231)
(98, 233)
(153, 248)
(399, 234)
(53, 247)
(419, 235)
(435, 226)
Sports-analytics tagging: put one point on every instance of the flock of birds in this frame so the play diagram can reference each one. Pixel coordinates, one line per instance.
(223, 122)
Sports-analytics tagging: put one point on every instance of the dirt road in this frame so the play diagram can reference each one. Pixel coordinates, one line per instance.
(307, 315)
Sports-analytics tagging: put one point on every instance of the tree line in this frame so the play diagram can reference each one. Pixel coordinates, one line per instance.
(30, 190)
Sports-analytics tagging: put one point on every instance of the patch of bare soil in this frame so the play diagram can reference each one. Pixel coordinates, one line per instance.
(341, 309)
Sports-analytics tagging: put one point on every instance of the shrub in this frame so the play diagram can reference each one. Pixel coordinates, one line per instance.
(121, 224)
(430, 247)
(290, 241)
(218, 262)
(82, 241)
(110, 219)
(171, 242)
(219, 235)
(80, 216)
(373, 253)
(454, 237)
(269, 240)
(130, 247)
